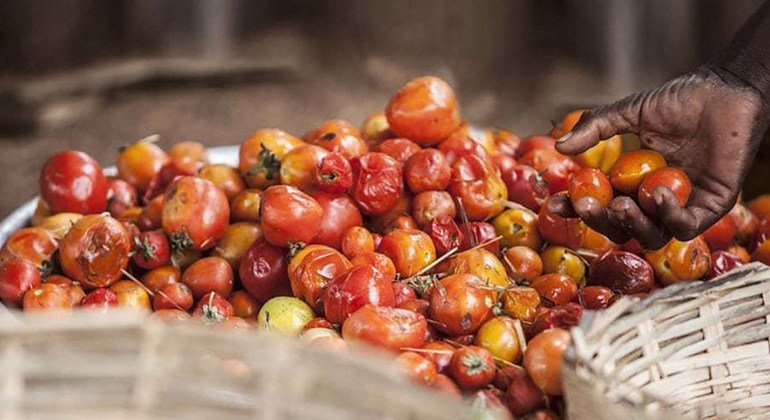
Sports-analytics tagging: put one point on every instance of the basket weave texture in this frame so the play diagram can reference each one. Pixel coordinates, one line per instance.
(696, 349)
(123, 367)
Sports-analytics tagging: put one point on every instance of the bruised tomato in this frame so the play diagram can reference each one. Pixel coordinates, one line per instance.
(526, 186)
(460, 303)
(289, 216)
(173, 296)
(259, 157)
(399, 149)
(35, 244)
(680, 261)
(562, 316)
(595, 297)
(262, 271)
(73, 182)
(385, 327)
(312, 269)
(339, 214)
(355, 288)
(401, 291)
(74, 291)
(410, 250)
(17, 276)
(553, 166)
(356, 240)
(299, 166)
(427, 170)
(622, 272)
(338, 136)
(210, 274)
(195, 214)
(477, 187)
(483, 232)
(557, 230)
(334, 174)
(424, 110)
(95, 251)
(521, 303)
(445, 234)
(100, 299)
(377, 183)
(555, 288)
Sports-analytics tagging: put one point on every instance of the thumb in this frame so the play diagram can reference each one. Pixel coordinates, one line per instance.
(602, 123)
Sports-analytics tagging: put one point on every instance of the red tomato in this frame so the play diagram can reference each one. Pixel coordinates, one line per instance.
(535, 143)
(445, 234)
(356, 240)
(152, 250)
(526, 186)
(424, 110)
(477, 187)
(263, 271)
(289, 216)
(427, 170)
(417, 368)
(376, 260)
(161, 276)
(151, 216)
(722, 234)
(213, 309)
(210, 274)
(522, 263)
(459, 144)
(299, 167)
(667, 177)
(589, 182)
(403, 222)
(377, 183)
(312, 269)
(121, 196)
(195, 214)
(506, 141)
(556, 288)
(472, 367)
(73, 182)
(440, 353)
(522, 395)
(447, 386)
(562, 231)
(563, 316)
(35, 244)
(459, 304)
(746, 223)
(401, 291)
(429, 205)
(334, 174)
(723, 262)
(338, 136)
(355, 288)
(410, 250)
(173, 296)
(399, 149)
(555, 167)
(339, 214)
(74, 291)
(140, 162)
(100, 299)
(244, 305)
(17, 276)
(483, 232)
(595, 297)
(385, 327)
(504, 163)
(543, 359)
(95, 251)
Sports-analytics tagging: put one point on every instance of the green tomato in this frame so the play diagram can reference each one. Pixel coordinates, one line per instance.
(284, 315)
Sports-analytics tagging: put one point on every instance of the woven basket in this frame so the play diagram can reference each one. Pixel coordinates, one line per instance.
(83, 366)
(697, 349)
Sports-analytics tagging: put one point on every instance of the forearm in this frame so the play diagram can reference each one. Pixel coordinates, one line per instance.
(747, 58)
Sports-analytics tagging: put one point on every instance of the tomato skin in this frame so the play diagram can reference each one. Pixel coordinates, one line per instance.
(140, 162)
(427, 170)
(417, 368)
(338, 136)
(425, 110)
(672, 178)
(173, 296)
(385, 327)
(622, 272)
(35, 244)
(289, 216)
(356, 240)
(195, 213)
(47, 296)
(17, 276)
(213, 309)
(477, 187)
(376, 260)
(472, 367)
(73, 182)
(445, 234)
(543, 359)
(95, 251)
(462, 306)
(355, 288)
(210, 274)
(377, 183)
(152, 250)
(429, 205)
(339, 214)
(334, 174)
(263, 271)
(410, 250)
(260, 156)
(121, 196)
(312, 269)
(629, 170)
(299, 166)
(526, 186)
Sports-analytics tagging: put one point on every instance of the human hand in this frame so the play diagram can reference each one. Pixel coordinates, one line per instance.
(707, 124)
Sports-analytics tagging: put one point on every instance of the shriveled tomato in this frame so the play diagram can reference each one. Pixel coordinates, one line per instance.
(140, 162)
(259, 157)
(417, 368)
(555, 167)
(17, 276)
(543, 359)
(680, 261)
(195, 214)
(95, 251)
(385, 327)
(47, 296)
(355, 288)
(236, 241)
(410, 250)
(483, 233)
(289, 216)
(377, 183)
(595, 297)
(424, 110)
(210, 274)
(339, 214)
(334, 174)
(75, 292)
(376, 260)
(356, 240)
(460, 303)
(427, 170)
(378, 224)
(399, 149)
(35, 244)
(121, 196)
(173, 296)
(526, 186)
(100, 299)
(519, 227)
(522, 263)
(445, 234)
(478, 188)
(213, 309)
(151, 249)
(73, 182)
(263, 271)
(521, 303)
(459, 144)
(472, 367)
(338, 136)
(622, 272)
(312, 269)
(563, 316)
(161, 276)
(299, 166)
(225, 177)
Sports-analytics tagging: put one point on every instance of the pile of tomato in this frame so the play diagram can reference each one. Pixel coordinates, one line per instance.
(416, 234)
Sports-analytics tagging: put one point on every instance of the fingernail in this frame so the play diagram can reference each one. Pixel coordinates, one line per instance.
(564, 138)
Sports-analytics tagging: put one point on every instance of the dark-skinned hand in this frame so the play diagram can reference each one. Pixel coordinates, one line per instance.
(706, 124)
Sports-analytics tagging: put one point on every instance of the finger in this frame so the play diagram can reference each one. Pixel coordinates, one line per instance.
(602, 123)
(597, 217)
(561, 206)
(625, 215)
(685, 223)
